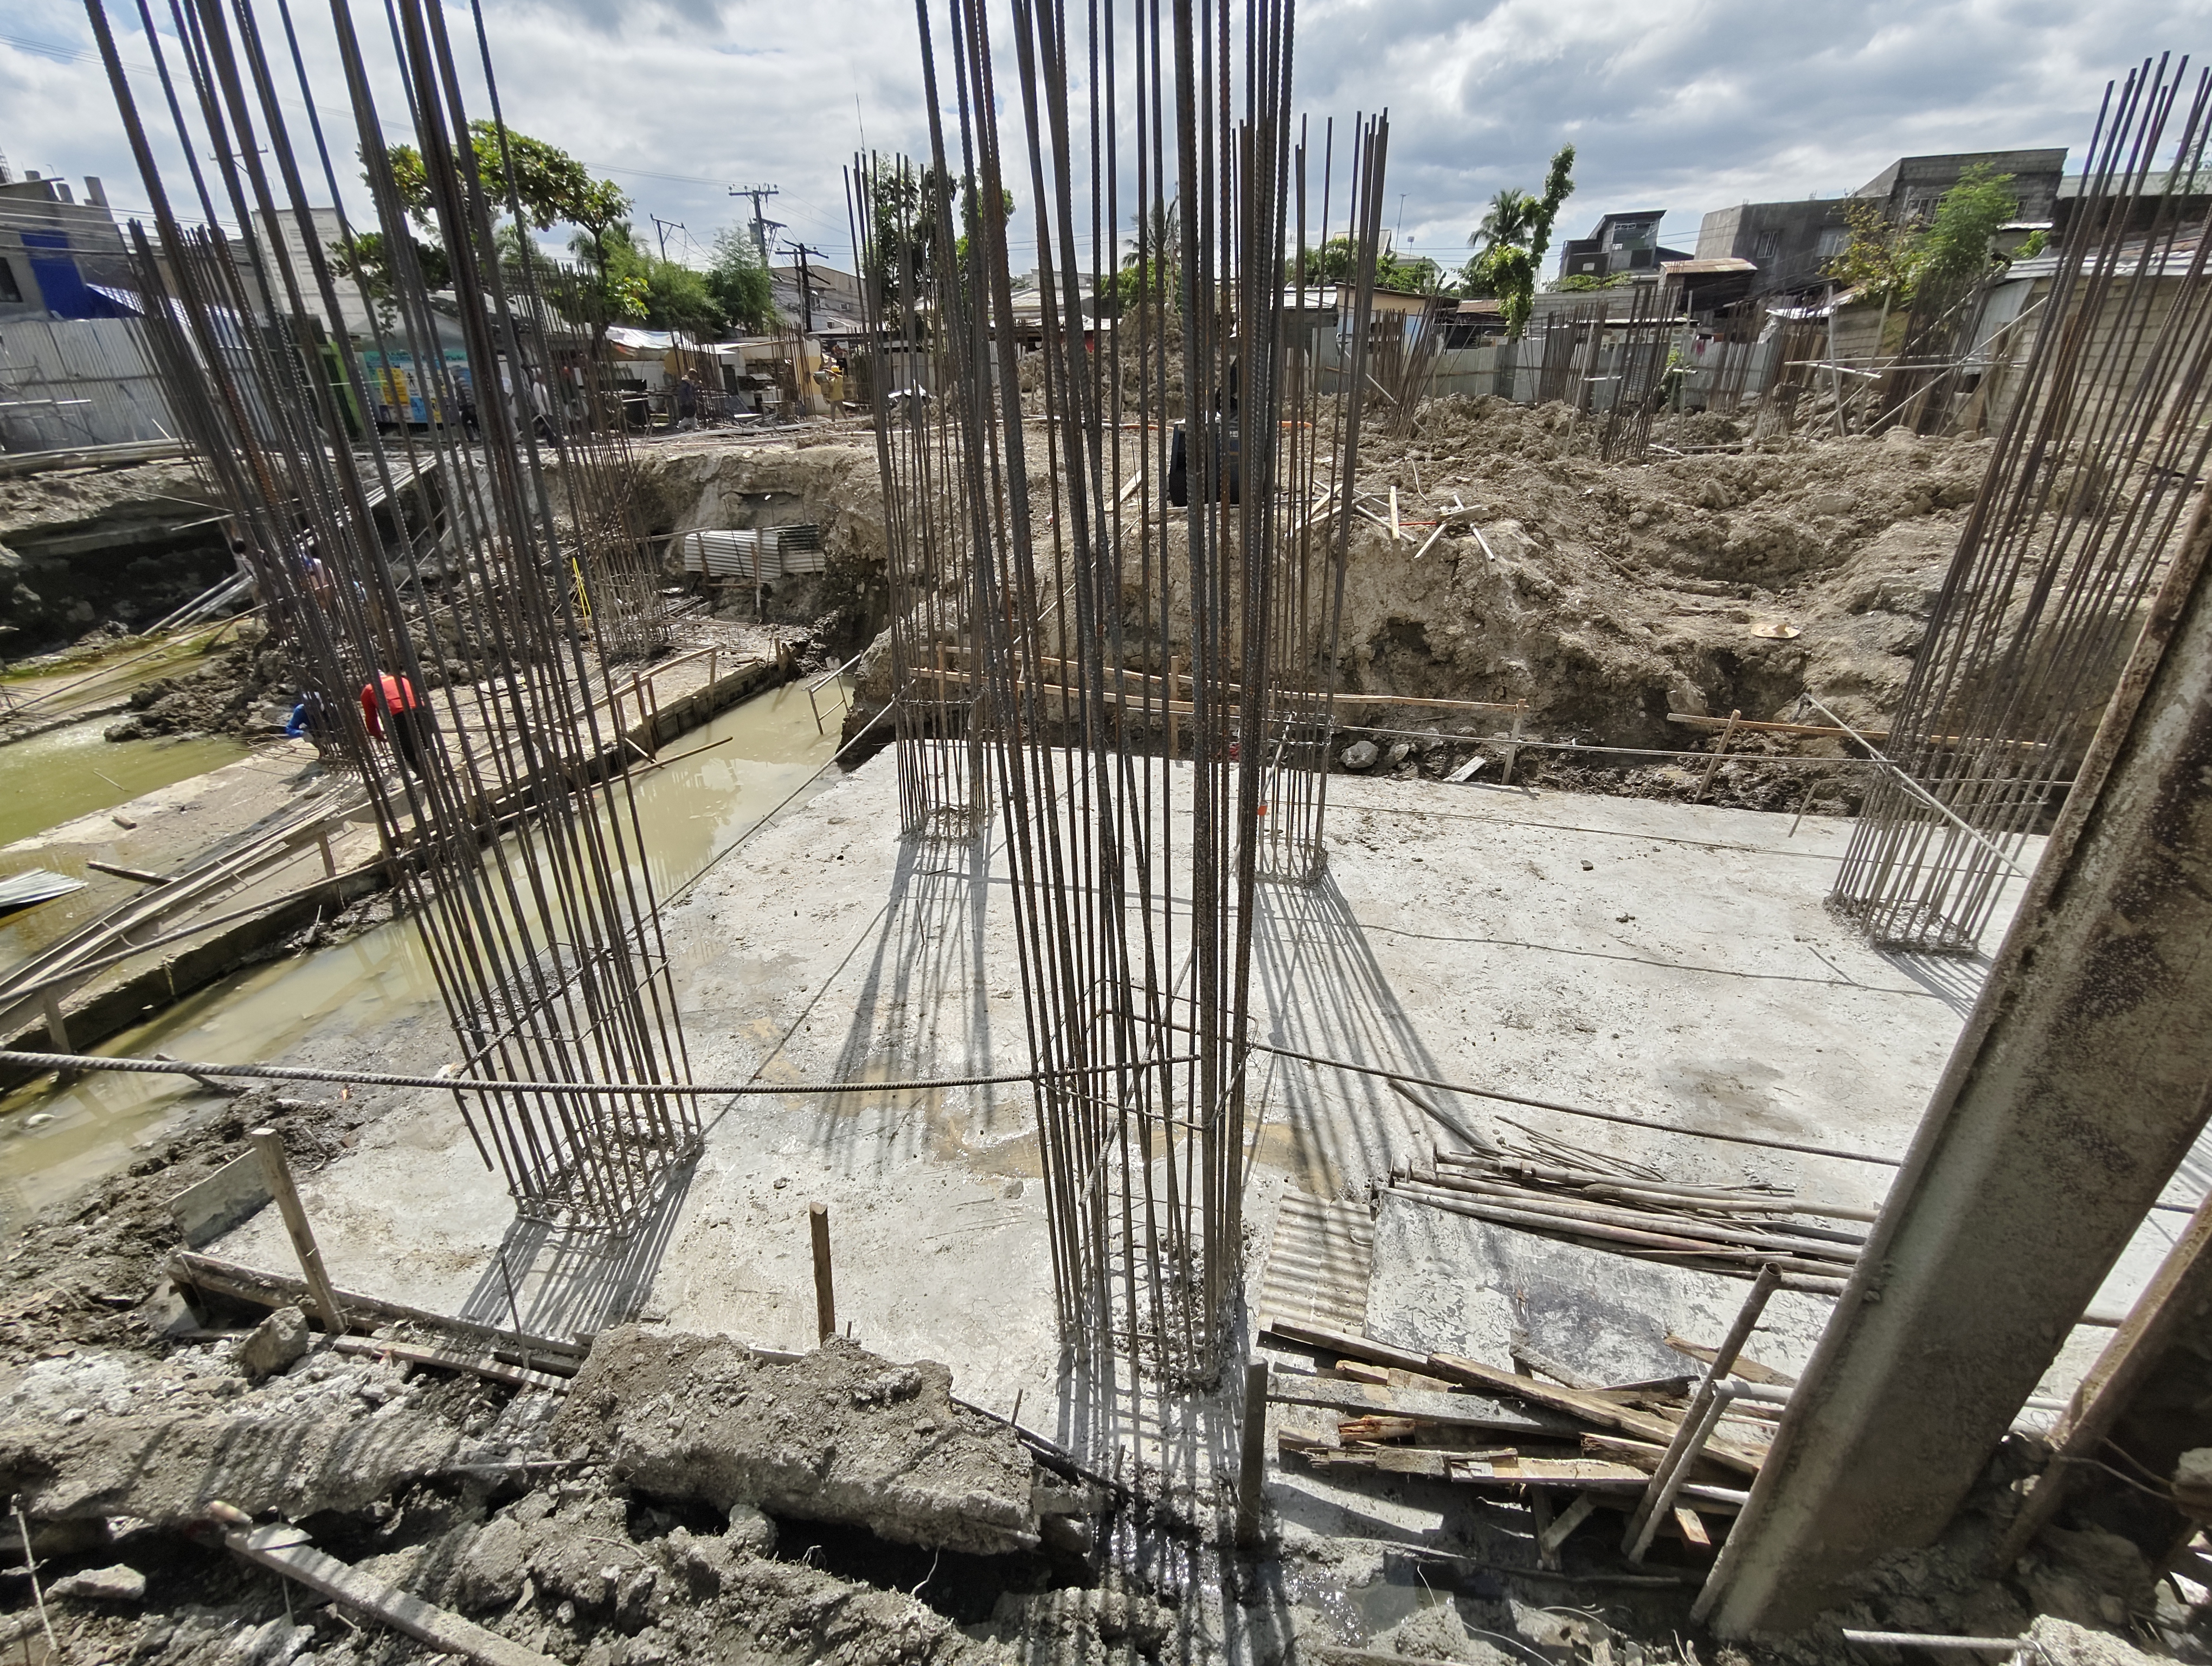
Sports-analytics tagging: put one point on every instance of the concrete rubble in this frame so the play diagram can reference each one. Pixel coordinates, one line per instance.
(839, 1436)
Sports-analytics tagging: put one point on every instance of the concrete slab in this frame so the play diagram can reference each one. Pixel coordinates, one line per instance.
(1668, 961)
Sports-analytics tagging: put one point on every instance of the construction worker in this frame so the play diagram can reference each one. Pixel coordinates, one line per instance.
(394, 714)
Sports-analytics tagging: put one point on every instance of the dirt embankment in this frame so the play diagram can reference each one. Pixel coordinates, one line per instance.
(89, 548)
(1608, 595)
(828, 480)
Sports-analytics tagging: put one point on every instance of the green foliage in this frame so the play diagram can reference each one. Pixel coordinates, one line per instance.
(739, 283)
(553, 187)
(1583, 282)
(365, 259)
(1336, 262)
(1510, 242)
(903, 231)
(2033, 244)
(1954, 250)
(1886, 262)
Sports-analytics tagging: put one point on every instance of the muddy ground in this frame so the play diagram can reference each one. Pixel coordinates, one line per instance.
(683, 1497)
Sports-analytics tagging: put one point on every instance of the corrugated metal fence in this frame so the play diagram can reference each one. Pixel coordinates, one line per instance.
(79, 382)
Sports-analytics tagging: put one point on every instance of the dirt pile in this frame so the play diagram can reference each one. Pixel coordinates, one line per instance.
(1606, 595)
(82, 546)
(840, 1435)
(826, 478)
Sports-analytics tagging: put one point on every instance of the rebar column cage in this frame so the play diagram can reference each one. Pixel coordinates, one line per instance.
(1119, 520)
(2079, 515)
(467, 538)
(930, 567)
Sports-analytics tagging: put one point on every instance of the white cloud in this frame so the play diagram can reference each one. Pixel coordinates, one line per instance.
(1687, 107)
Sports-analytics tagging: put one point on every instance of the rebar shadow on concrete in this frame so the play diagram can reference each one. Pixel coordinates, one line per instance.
(549, 1280)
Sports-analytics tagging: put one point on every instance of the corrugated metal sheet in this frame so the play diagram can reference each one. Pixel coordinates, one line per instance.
(77, 382)
(1318, 1264)
(34, 886)
(753, 554)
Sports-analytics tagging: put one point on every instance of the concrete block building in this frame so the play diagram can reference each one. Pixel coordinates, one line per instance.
(1791, 243)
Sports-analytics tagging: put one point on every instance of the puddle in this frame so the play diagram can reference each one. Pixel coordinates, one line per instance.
(756, 754)
(65, 773)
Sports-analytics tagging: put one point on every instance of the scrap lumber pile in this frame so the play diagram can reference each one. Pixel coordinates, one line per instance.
(1735, 1230)
(1536, 1430)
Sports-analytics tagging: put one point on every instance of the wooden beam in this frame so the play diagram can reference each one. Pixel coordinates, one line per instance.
(2176, 1294)
(1590, 1407)
(284, 1549)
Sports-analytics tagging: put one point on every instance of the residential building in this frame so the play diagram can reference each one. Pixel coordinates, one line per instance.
(1623, 244)
(60, 258)
(1792, 243)
(354, 317)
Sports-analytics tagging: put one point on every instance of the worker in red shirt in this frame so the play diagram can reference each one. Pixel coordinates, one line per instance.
(394, 714)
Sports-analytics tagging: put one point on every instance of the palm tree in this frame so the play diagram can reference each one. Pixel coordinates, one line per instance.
(1158, 235)
(1511, 218)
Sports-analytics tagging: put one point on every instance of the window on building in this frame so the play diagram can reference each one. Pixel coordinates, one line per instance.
(1768, 249)
(9, 289)
(1834, 240)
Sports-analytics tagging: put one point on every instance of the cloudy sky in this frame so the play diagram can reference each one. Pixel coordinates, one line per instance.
(1690, 106)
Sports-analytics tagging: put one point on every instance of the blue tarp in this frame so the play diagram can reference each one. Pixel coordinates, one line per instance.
(61, 285)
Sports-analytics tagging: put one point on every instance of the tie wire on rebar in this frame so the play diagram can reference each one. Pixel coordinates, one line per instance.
(458, 518)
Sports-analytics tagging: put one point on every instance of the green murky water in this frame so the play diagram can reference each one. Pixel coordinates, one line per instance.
(720, 781)
(67, 773)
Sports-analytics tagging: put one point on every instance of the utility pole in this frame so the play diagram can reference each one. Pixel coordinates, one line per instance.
(661, 229)
(805, 287)
(761, 221)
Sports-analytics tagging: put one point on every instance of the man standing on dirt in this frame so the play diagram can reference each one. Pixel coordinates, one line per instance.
(394, 714)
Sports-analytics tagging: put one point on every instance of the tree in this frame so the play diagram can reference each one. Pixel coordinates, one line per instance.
(552, 186)
(366, 259)
(1511, 213)
(1336, 261)
(1888, 262)
(903, 205)
(1954, 250)
(739, 283)
(1511, 241)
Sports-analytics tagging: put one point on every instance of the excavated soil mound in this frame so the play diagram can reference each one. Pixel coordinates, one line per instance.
(839, 1435)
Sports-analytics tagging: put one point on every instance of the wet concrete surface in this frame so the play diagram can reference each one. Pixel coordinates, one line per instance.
(373, 995)
(1459, 934)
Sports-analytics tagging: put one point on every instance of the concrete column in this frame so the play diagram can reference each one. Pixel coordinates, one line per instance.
(2080, 1081)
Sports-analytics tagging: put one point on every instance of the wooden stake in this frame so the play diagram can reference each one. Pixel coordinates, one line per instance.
(1251, 1470)
(1720, 746)
(825, 1300)
(271, 1145)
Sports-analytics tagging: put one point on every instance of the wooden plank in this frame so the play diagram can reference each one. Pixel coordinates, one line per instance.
(1569, 1519)
(250, 1284)
(446, 1360)
(1457, 1410)
(1694, 1530)
(206, 1210)
(2176, 1295)
(280, 1550)
(1298, 1335)
(1745, 1366)
(1590, 1407)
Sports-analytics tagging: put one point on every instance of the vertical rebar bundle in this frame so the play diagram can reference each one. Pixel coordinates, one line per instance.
(909, 275)
(2081, 512)
(457, 584)
(1117, 561)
